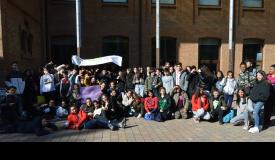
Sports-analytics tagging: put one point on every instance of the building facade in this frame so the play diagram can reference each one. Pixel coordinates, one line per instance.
(22, 34)
(194, 32)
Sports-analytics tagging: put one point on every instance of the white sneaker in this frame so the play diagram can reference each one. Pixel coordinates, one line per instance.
(246, 128)
(139, 116)
(254, 130)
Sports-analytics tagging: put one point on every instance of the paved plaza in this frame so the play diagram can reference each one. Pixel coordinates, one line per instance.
(139, 130)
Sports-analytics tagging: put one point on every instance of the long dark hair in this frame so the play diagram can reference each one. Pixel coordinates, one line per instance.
(198, 92)
(150, 91)
(206, 72)
(221, 78)
(263, 74)
(240, 98)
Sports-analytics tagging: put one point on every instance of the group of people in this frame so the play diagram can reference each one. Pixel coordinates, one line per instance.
(32, 99)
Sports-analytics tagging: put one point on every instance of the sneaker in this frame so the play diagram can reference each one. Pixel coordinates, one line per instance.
(254, 130)
(196, 120)
(122, 125)
(112, 127)
(139, 116)
(246, 128)
(184, 116)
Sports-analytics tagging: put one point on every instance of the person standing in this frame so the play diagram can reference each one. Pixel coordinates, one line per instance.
(138, 81)
(47, 86)
(259, 96)
(168, 82)
(245, 80)
(15, 78)
(193, 81)
(181, 78)
(65, 87)
(270, 104)
(229, 88)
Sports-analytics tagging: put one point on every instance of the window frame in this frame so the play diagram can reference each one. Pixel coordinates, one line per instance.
(209, 6)
(253, 8)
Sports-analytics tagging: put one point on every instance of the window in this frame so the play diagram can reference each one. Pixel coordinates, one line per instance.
(209, 52)
(63, 1)
(117, 45)
(115, 1)
(63, 47)
(253, 50)
(26, 39)
(169, 2)
(168, 50)
(253, 3)
(209, 2)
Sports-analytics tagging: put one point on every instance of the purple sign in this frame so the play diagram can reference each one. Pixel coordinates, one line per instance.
(92, 92)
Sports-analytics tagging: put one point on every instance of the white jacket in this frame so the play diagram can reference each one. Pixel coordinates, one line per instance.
(230, 85)
(47, 83)
(16, 79)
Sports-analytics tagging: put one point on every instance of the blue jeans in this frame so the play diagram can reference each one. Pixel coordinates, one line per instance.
(91, 124)
(139, 89)
(256, 112)
(228, 100)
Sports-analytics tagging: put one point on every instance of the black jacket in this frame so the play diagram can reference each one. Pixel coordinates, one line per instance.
(129, 82)
(220, 104)
(260, 92)
(194, 80)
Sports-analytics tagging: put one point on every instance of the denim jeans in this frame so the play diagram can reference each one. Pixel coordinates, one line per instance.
(243, 117)
(139, 89)
(228, 100)
(256, 112)
(92, 124)
(201, 113)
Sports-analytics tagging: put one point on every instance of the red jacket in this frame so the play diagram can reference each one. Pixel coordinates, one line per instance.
(76, 121)
(197, 104)
(150, 104)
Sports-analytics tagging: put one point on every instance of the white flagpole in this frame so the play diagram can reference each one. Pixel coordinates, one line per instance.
(78, 25)
(157, 33)
(231, 31)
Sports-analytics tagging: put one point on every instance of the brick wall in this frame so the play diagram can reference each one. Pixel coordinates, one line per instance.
(21, 15)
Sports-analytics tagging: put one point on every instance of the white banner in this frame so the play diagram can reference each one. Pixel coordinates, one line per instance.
(76, 60)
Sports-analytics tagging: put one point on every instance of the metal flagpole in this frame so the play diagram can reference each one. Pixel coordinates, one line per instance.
(157, 33)
(78, 25)
(231, 32)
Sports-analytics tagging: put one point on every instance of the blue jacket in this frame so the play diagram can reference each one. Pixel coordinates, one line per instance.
(183, 80)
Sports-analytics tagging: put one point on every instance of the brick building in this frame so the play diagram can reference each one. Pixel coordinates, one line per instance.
(194, 32)
(21, 35)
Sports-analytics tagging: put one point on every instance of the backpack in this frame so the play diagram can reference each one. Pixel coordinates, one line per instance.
(149, 117)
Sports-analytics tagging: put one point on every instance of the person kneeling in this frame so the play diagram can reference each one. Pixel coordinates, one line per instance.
(200, 105)
(180, 103)
(218, 106)
(164, 106)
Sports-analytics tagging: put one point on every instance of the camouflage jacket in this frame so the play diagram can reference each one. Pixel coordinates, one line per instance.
(246, 79)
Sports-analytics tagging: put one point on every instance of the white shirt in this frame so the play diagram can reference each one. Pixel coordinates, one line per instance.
(178, 78)
(97, 112)
(47, 83)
